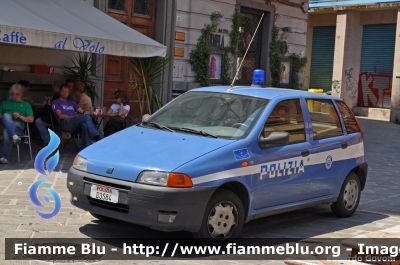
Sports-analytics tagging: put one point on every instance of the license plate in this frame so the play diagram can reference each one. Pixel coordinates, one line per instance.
(104, 193)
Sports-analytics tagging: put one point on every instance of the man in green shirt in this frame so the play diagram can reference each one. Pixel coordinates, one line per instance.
(15, 113)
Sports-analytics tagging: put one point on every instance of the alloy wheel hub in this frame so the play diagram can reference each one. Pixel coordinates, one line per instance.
(222, 220)
(350, 195)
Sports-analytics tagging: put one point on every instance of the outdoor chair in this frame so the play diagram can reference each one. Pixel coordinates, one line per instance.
(57, 129)
(27, 136)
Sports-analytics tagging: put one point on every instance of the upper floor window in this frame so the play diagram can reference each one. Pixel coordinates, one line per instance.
(142, 7)
(116, 4)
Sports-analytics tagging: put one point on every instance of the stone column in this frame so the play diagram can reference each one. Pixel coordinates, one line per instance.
(346, 68)
(395, 104)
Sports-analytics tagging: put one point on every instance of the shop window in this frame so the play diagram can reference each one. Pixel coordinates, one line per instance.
(324, 118)
(287, 116)
(116, 4)
(348, 118)
(142, 7)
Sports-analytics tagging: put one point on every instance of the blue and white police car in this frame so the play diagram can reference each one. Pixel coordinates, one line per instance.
(218, 157)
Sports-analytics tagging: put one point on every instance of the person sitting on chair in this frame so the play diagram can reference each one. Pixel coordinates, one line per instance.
(14, 112)
(65, 110)
(45, 120)
(82, 99)
(120, 109)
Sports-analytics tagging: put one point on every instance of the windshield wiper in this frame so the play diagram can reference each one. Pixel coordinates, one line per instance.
(196, 132)
(159, 126)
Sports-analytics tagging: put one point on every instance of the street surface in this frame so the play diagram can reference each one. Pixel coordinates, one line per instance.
(378, 211)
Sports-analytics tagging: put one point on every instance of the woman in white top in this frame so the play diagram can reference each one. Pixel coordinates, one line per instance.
(119, 110)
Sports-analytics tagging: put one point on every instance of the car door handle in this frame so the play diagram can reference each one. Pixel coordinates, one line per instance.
(344, 145)
(305, 153)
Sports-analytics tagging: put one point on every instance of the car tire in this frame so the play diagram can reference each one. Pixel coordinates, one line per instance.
(349, 197)
(102, 217)
(223, 210)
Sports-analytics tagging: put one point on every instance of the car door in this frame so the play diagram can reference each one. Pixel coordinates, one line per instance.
(283, 172)
(329, 148)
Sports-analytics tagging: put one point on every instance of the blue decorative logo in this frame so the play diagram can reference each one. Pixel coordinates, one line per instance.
(35, 200)
(46, 152)
(328, 162)
(241, 154)
(50, 165)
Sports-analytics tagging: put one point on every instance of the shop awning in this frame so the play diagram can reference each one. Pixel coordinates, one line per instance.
(71, 25)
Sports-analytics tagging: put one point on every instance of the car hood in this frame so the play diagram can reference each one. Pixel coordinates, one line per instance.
(136, 149)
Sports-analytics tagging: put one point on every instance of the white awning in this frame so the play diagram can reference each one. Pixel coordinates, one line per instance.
(71, 25)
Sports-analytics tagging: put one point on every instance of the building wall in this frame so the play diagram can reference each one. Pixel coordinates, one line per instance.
(349, 31)
(193, 14)
(292, 16)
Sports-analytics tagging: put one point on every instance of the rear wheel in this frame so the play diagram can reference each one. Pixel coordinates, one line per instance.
(102, 217)
(349, 197)
(223, 218)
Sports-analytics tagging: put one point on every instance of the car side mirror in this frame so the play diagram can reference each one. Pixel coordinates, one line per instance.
(146, 117)
(275, 138)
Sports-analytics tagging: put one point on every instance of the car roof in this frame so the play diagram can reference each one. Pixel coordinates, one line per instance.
(264, 92)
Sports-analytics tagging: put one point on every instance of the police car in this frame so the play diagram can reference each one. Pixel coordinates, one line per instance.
(218, 157)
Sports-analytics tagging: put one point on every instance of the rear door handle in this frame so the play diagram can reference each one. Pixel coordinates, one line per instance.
(305, 153)
(344, 145)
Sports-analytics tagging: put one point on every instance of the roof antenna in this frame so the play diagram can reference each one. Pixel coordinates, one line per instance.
(245, 54)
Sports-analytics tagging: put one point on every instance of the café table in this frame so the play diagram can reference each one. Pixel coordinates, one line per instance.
(99, 118)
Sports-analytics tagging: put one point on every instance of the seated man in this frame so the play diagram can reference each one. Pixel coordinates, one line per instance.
(83, 100)
(45, 120)
(65, 114)
(26, 86)
(15, 113)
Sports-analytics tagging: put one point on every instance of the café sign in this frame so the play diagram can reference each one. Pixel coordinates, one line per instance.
(81, 44)
(75, 43)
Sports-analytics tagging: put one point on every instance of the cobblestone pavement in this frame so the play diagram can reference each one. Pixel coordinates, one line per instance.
(378, 210)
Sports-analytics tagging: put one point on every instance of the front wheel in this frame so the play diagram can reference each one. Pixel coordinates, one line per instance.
(223, 218)
(349, 197)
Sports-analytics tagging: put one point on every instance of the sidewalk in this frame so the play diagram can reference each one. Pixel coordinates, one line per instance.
(378, 211)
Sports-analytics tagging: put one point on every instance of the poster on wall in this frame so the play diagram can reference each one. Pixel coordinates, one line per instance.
(285, 71)
(215, 67)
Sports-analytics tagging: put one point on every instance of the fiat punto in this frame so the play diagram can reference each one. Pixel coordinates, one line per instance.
(218, 157)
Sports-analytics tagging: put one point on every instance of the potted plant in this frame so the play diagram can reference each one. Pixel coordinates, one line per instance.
(146, 73)
(82, 71)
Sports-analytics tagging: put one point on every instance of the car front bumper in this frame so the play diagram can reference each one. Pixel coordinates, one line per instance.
(141, 204)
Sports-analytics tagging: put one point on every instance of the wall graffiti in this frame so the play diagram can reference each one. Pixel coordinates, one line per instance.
(336, 86)
(350, 83)
(375, 90)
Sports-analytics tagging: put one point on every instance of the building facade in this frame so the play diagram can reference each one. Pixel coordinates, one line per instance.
(353, 49)
(193, 15)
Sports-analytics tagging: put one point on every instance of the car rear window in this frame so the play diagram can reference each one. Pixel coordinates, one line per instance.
(348, 117)
(325, 120)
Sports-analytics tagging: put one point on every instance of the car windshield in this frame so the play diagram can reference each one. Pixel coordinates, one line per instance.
(210, 114)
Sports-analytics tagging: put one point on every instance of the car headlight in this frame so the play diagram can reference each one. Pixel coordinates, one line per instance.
(176, 180)
(80, 163)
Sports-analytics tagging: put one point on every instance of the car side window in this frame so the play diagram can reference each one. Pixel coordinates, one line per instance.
(325, 120)
(287, 116)
(349, 120)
